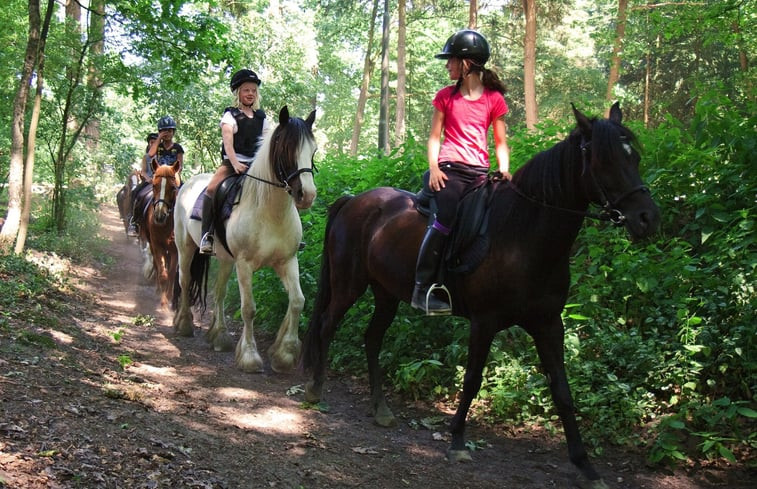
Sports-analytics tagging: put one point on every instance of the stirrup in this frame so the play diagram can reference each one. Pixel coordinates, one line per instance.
(206, 245)
(132, 232)
(438, 312)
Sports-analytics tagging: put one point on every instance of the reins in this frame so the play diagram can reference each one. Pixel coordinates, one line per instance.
(609, 211)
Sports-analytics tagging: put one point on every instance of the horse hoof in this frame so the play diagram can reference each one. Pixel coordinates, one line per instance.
(583, 483)
(386, 421)
(459, 456)
(312, 395)
(223, 342)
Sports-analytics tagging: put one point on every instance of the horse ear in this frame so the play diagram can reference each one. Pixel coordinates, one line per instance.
(615, 114)
(284, 115)
(311, 119)
(154, 164)
(583, 122)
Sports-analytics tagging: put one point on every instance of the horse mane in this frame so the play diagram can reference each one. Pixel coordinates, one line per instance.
(281, 144)
(552, 177)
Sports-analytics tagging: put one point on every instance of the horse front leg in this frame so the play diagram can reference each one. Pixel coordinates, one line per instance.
(550, 347)
(478, 350)
(218, 334)
(285, 350)
(384, 311)
(246, 355)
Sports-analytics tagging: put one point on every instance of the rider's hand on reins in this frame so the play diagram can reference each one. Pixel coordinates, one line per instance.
(498, 176)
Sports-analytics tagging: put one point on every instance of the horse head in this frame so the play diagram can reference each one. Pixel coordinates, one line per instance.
(610, 172)
(291, 154)
(164, 190)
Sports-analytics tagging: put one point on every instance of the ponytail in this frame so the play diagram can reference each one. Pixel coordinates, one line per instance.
(491, 81)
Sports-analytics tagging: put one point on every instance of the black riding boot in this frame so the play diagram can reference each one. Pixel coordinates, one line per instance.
(133, 230)
(429, 257)
(206, 243)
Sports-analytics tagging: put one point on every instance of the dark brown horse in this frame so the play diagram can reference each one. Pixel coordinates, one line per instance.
(373, 240)
(124, 196)
(156, 229)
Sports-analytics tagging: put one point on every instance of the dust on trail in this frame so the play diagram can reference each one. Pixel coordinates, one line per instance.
(182, 415)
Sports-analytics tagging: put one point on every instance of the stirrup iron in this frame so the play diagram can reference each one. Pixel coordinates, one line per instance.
(444, 312)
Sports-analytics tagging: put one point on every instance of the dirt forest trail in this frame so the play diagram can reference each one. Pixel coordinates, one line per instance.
(182, 416)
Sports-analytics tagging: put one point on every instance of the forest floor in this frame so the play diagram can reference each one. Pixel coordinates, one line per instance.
(182, 416)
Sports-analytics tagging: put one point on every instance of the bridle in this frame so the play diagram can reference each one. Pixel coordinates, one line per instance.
(164, 201)
(283, 178)
(609, 208)
(281, 174)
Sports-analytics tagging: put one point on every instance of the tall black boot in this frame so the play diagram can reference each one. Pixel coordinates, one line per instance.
(429, 258)
(133, 230)
(206, 243)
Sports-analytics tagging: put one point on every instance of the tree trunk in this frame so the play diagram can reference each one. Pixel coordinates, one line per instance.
(383, 133)
(97, 39)
(620, 32)
(32, 139)
(367, 70)
(69, 124)
(399, 126)
(473, 14)
(16, 170)
(529, 64)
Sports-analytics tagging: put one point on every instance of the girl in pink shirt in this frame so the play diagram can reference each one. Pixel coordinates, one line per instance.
(463, 113)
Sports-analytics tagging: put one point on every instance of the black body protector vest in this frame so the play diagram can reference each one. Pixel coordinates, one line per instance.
(249, 131)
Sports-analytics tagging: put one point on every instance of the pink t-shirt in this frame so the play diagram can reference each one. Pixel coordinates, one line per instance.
(466, 124)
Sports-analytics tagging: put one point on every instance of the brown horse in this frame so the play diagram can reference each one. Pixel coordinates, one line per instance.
(156, 229)
(124, 196)
(373, 240)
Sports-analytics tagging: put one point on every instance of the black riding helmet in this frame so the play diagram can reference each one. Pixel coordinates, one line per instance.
(151, 136)
(466, 44)
(166, 122)
(243, 76)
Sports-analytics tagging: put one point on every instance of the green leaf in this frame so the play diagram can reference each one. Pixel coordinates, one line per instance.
(746, 412)
(726, 454)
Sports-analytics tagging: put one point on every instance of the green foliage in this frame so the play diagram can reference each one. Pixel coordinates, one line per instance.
(22, 284)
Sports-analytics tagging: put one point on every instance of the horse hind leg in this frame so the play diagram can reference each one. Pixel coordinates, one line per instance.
(218, 335)
(383, 314)
(320, 333)
(183, 322)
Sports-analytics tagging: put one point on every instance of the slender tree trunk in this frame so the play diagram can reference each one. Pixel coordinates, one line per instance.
(647, 83)
(75, 126)
(399, 126)
(529, 64)
(94, 81)
(32, 139)
(620, 32)
(367, 70)
(383, 135)
(16, 170)
(473, 14)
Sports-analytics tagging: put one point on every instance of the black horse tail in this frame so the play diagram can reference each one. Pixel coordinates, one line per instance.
(198, 282)
(312, 352)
